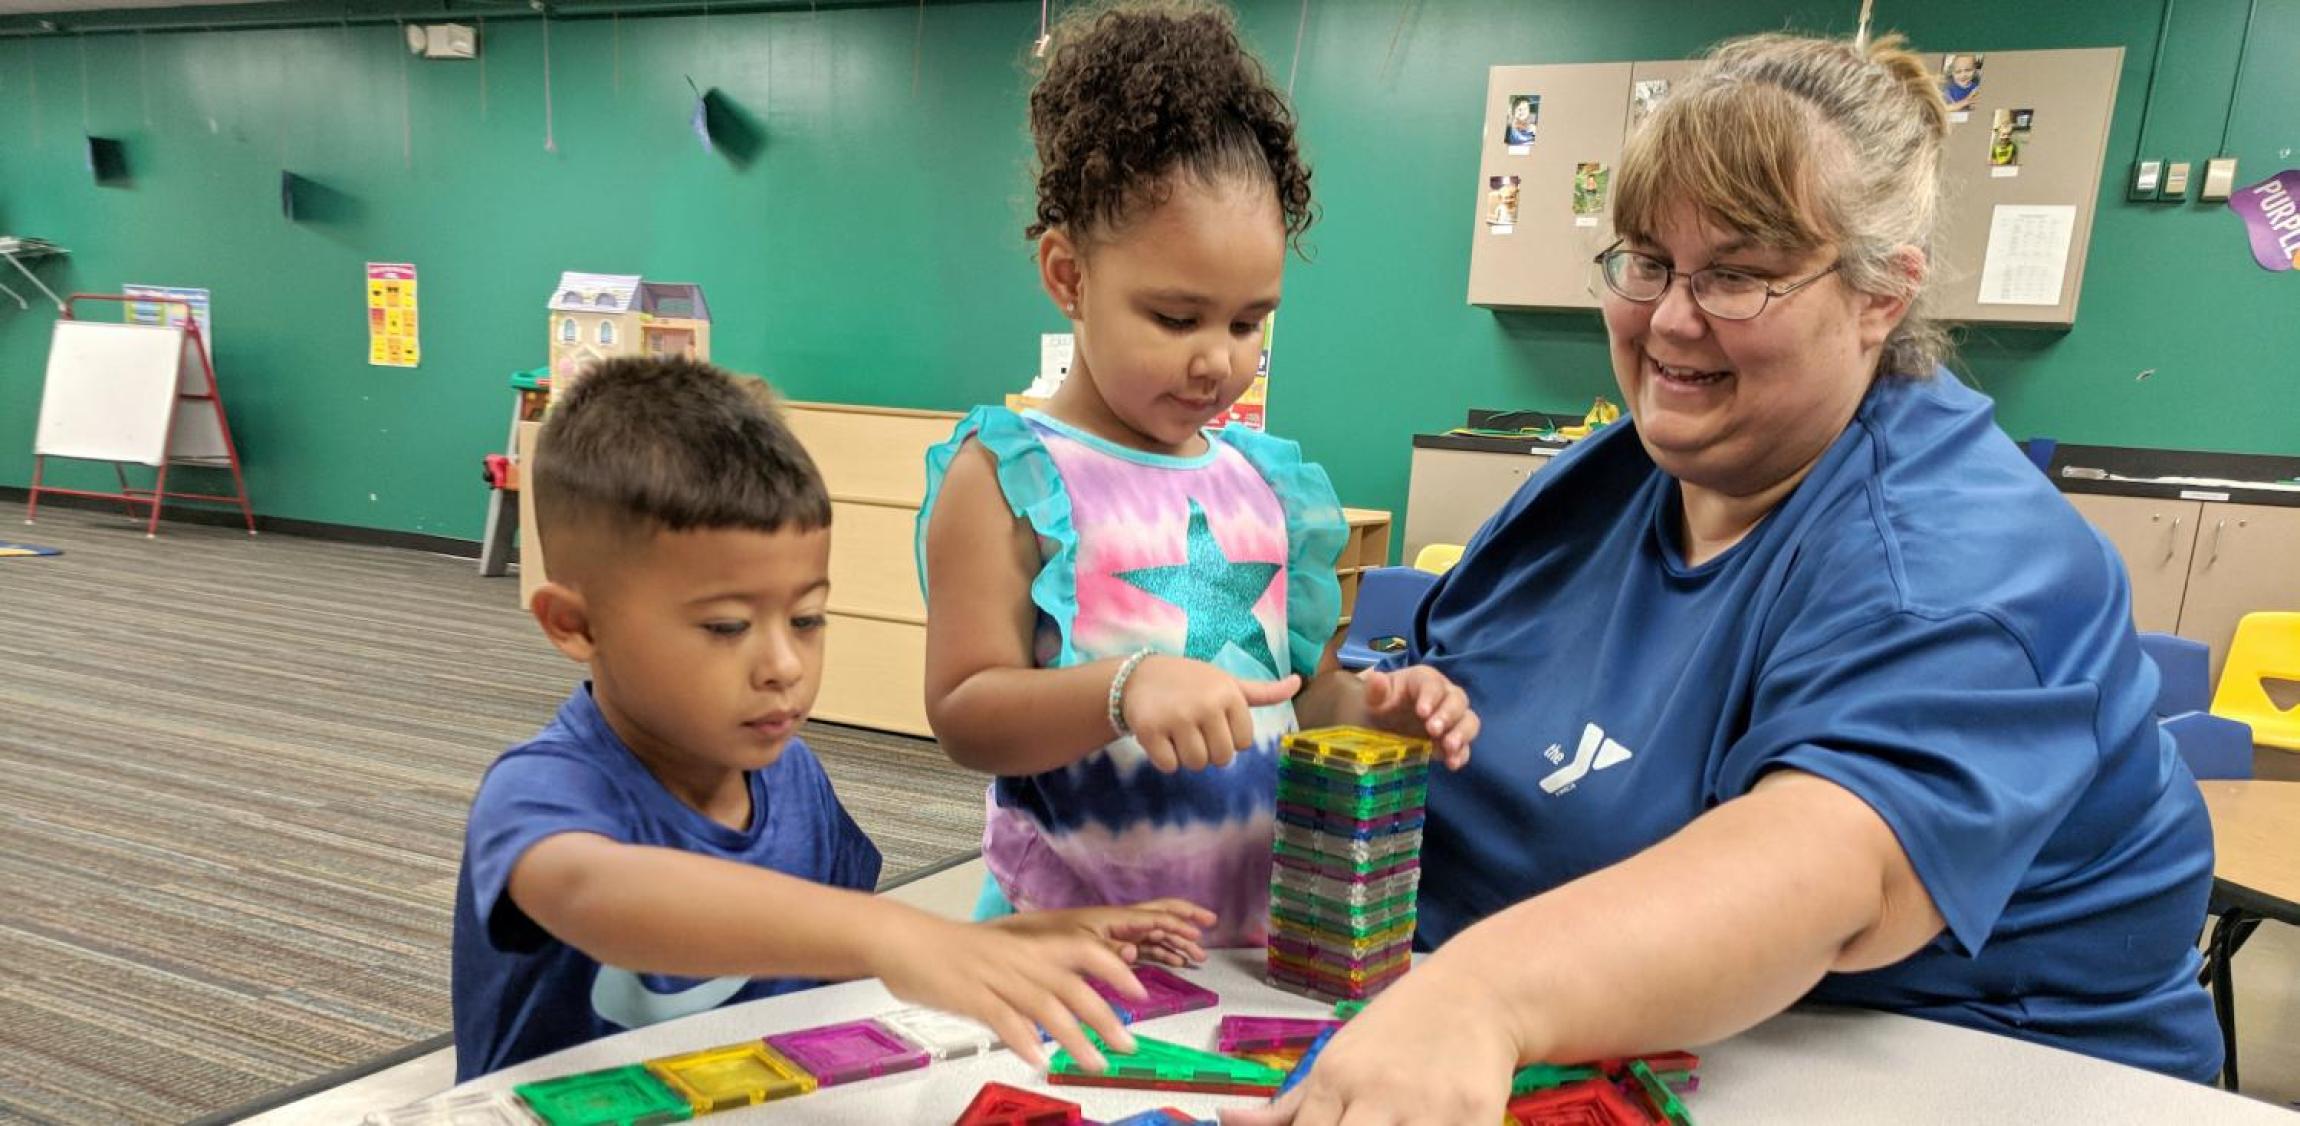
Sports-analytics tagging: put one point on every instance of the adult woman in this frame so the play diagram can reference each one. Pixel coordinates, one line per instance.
(1810, 684)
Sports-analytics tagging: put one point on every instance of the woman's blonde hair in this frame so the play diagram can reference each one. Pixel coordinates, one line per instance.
(1801, 143)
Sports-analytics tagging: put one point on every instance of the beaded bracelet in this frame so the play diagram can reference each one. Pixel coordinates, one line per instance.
(1118, 692)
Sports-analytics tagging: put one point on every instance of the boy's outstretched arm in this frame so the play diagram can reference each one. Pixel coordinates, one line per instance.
(659, 910)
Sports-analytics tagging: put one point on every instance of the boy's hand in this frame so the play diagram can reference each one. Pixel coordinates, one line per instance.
(1166, 931)
(1016, 980)
(1189, 715)
(1419, 700)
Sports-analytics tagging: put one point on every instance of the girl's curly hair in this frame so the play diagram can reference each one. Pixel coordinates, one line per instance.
(1137, 90)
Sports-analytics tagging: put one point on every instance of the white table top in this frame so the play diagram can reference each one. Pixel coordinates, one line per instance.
(1818, 1065)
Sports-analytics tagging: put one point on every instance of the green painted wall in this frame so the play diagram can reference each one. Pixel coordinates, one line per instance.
(872, 253)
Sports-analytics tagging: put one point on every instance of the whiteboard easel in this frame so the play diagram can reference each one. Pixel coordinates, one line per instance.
(133, 393)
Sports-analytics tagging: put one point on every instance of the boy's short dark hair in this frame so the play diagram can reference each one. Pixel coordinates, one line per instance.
(642, 445)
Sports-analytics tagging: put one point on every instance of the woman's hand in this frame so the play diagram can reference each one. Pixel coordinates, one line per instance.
(1420, 701)
(1381, 1069)
(1189, 715)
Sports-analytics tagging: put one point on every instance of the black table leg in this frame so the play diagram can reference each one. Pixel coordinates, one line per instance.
(2229, 933)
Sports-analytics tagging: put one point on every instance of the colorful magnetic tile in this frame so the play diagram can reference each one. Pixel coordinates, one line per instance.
(1000, 1105)
(1135, 1083)
(1343, 870)
(1543, 1076)
(1659, 1100)
(1317, 956)
(1154, 1059)
(1311, 903)
(1238, 1032)
(1340, 923)
(1309, 1060)
(732, 1076)
(1313, 819)
(1346, 945)
(1344, 1010)
(1348, 889)
(1365, 804)
(1351, 847)
(1355, 980)
(1169, 994)
(1353, 785)
(622, 1096)
(844, 1053)
(479, 1108)
(1283, 1059)
(1164, 1116)
(943, 1036)
(1327, 987)
(1592, 1102)
(1354, 746)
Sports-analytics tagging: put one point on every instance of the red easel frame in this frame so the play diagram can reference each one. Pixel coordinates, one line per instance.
(158, 493)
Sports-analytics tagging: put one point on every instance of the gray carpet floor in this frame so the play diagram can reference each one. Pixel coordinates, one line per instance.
(233, 777)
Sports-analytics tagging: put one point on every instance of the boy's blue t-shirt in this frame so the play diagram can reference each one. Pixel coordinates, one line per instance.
(1923, 621)
(520, 993)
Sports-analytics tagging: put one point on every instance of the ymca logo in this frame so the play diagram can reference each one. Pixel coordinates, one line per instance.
(1596, 752)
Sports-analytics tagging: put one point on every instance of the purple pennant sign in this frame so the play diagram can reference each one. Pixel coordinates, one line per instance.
(2271, 213)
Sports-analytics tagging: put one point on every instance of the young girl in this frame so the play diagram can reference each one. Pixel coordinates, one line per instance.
(1123, 608)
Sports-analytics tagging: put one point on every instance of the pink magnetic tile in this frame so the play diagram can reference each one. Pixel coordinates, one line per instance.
(843, 1053)
(1252, 1034)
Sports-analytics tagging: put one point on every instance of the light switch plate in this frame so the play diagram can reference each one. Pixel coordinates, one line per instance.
(2146, 174)
(2175, 182)
(2219, 179)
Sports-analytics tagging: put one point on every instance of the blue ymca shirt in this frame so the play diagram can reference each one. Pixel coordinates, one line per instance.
(1925, 622)
(520, 993)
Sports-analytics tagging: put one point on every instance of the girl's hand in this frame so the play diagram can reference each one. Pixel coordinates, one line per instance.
(1418, 700)
(1166, 931)
(1189, 715)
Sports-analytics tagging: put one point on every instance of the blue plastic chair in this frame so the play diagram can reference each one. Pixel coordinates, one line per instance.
(2212, 746)
(1384, 615)
(2184, 671)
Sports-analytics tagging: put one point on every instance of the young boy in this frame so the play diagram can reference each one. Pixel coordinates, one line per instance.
(667, 845)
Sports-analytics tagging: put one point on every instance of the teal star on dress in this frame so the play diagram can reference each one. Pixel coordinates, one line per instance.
(1216, 596)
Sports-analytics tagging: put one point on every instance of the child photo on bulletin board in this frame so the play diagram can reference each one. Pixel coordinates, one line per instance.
(1961, 81)
(1644, 96)
(1501, 202)
(2008, 134)
(1589, 180)
(1524, 120)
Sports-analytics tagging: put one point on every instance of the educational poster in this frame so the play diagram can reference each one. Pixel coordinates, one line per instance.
(1589, 183)
(1643, 97)
(1960, 83)
(1251, 408)
(1524, 120)
(1501, 203)
(2271, 213)
(153, 312)
(2008, 135)
(392, 339)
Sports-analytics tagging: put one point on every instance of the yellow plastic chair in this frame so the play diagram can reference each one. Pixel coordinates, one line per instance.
(1437, 558)
(2267, 647)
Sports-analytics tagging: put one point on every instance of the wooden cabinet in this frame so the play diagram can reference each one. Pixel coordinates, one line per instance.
(2246, 558)
(873, 461)
(2156, 538)
(1452, 493)
(2199, 566)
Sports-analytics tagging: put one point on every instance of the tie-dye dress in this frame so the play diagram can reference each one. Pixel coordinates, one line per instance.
(1227, 557)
